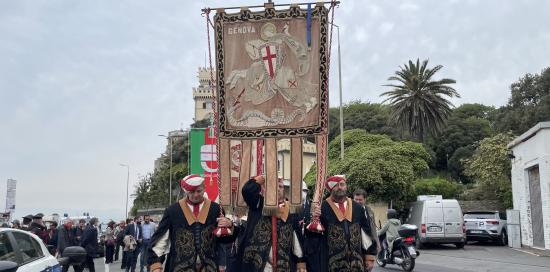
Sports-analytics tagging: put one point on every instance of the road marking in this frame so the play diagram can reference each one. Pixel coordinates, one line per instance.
(525, 251)
(486, 260)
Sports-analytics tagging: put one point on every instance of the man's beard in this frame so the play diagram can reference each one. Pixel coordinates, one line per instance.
(338, 194)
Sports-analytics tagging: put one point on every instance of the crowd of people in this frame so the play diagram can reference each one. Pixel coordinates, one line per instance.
(129, 238)
(196, 235)
(58, 238)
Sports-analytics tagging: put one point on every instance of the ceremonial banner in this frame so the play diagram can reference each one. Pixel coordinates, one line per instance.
(203, 159)
(271, 81)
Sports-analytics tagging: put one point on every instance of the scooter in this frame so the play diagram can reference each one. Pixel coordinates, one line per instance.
(404, 252)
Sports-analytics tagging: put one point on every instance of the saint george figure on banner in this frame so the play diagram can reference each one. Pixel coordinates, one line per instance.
(280, 64)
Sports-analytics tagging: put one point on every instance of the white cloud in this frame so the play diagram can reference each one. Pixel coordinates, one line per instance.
(409, 6)
(360, 35)
(385, 28)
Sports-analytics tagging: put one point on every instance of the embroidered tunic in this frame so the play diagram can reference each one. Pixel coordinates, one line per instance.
(346, 239)
(255, 253)
(185, 238)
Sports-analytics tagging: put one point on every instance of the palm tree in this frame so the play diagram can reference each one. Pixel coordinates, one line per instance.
(419, 103)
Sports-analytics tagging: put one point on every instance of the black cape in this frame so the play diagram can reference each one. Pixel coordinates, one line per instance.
(253, 252)
(339, 248)
(189, 238)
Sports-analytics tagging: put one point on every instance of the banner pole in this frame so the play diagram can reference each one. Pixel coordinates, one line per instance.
(275, 5)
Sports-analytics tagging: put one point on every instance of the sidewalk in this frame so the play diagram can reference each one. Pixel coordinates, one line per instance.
(534, 251)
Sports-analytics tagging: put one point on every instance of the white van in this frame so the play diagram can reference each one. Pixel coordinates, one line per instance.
(440, 221)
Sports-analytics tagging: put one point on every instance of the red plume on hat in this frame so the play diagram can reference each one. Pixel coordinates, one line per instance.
(331, 182)
(191, 182)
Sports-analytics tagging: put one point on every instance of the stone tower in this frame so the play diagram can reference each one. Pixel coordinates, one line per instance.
(203, 96)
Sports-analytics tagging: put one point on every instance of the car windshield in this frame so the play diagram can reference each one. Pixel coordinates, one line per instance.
(479, 216)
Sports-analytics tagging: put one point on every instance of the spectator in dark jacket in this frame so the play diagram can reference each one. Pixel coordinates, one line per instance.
(38, 228)
(119, 236)
(80, 229)
(124, 252)
(27, 220)
(109, 242)
(52, 237)
(89, 242)
(66, 237)
(133, 229)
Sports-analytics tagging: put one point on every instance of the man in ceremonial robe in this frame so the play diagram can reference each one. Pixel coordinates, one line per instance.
(270, 241)
(347, 244)
(184, 236)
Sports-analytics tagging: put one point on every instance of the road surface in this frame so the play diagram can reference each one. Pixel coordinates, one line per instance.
(473, 258)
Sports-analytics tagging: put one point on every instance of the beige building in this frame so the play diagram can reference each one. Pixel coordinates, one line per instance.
(203, 96)
(309, 157)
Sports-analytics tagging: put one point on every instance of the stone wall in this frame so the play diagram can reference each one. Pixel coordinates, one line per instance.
(481, 205)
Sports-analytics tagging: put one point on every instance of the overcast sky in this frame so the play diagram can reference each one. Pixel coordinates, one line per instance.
(86, 85)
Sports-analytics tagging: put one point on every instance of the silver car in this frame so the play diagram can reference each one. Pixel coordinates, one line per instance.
(486, 226)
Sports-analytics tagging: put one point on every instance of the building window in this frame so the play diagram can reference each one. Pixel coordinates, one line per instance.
(204, 105)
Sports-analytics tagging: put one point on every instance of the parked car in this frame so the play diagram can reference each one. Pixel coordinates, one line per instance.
(440, 222)
(486, 226)
(27, 251)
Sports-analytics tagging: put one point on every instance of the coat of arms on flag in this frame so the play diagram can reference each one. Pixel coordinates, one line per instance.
(204, 159)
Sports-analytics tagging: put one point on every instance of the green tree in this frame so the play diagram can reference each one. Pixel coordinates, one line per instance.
(456, 163)
(152, 190)
(467, 125)
(438, 186)
(201, 123)
(528, 105)
(473, 110)
(490, 168)
(372, 117)
(386, 169)
(419, 103)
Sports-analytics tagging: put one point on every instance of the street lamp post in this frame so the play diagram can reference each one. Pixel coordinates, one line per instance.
(127, 186)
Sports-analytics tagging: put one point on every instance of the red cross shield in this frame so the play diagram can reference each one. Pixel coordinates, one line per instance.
(269, 58)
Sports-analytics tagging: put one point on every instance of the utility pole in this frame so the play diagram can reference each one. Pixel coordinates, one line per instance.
(340, 89)
(127, 187)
